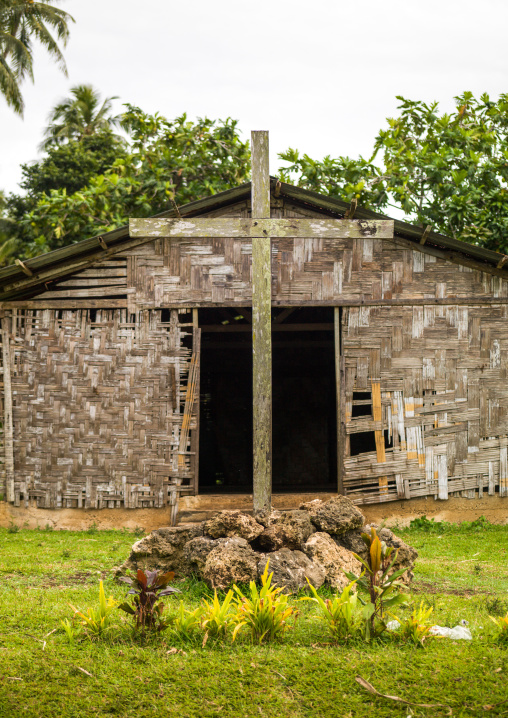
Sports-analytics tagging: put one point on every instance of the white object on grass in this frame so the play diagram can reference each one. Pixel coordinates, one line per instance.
(456, 633)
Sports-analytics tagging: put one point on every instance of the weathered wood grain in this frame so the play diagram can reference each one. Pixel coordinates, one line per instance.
(65, 304)
(261, 329)
(338, 399)
(8, 431)
(242, 228)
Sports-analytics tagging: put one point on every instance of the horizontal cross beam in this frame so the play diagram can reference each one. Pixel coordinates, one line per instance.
(251, 228)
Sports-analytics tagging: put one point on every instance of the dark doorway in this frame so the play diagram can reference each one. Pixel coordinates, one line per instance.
(225, 432)
(304, 408)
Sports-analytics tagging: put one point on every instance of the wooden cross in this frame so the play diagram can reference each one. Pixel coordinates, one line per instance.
(261, 228)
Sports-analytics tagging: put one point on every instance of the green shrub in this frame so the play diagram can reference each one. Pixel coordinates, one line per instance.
(96, 621)
(340, 614)
(264, 613)
(186, 624)
(218, 617)
(376, 580)
(415, 628)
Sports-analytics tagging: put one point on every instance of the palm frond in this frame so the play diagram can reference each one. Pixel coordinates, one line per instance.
(21, 23)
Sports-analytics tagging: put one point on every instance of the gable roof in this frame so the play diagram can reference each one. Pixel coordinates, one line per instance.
(16, 284)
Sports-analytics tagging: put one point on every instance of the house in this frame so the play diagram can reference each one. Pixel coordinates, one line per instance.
(127, 364)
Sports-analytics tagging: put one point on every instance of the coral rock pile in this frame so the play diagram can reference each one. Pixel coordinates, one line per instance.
(315, 542)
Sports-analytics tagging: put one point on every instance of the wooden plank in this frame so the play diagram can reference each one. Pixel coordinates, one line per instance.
(317, 327)
(261, 329)
(338, 399)
(284, 227)
(503, 471)
(196, 345)
(79, 281)
(379, 435)
(8, 423)
(34, 303)
(51, 272)
(89, 292)
(65, 304)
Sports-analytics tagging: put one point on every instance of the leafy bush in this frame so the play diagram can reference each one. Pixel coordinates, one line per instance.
(341, 613)
(96, 621)
(415, 629)
(424, 524)
(185, 624)
(147, 589)
(376, 580)
(13, 528)
(217, 618)
(501, 622)
(265, 612)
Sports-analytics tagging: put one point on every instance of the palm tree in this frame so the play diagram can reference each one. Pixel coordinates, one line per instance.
(21, 23)
(78, 116)
(8, 244)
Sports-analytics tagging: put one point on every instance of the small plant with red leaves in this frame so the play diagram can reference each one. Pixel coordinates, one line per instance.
(148, 589)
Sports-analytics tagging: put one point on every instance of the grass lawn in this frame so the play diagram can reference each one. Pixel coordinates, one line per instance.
(462, 572)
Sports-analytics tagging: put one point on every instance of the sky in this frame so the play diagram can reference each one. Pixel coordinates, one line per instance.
(321, 76)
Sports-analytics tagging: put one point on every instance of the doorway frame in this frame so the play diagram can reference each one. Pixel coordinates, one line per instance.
(339, 384)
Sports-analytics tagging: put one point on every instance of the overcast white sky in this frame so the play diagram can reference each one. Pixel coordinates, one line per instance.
(320, 75)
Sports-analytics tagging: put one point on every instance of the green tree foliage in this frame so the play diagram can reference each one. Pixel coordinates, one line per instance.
(8, 244)
(21, 23)
(168, 161)
(80, 116)
(446, 170)
(343, 177)
(67, 168)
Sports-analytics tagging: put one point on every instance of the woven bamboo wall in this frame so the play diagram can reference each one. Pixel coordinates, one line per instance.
(438, 375)
(99, 400)
(203, 272)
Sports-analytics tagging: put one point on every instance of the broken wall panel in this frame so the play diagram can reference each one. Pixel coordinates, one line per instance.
(444, 401)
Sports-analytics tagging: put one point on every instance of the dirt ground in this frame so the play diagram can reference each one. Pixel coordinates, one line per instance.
(198, 508)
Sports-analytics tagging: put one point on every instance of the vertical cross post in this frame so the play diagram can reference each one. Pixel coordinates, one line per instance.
(261, 328)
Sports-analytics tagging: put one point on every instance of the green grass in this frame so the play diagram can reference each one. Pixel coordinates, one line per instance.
(42, 571)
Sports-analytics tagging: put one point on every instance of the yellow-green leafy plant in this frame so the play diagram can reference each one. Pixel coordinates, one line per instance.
(96, 621)
(383, 588)
(218, 617)
(265, 612)
(416, 627)
(185, 623)
(71, 630)
(501, 622)
(341, 613)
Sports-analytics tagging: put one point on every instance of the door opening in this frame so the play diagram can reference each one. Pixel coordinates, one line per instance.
(304, 422)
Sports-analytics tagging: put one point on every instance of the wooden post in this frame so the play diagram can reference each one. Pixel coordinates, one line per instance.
(261, 328)
(338, 393)
(196, 347)
(8, 427)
